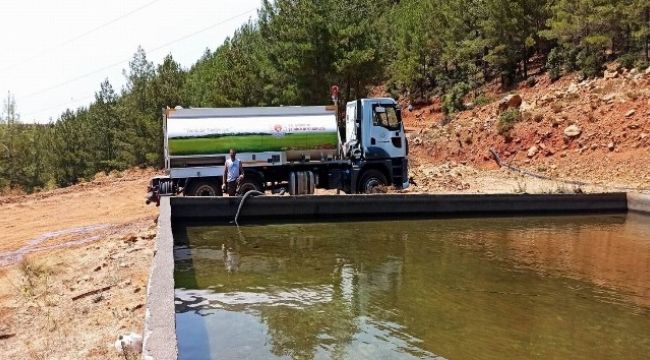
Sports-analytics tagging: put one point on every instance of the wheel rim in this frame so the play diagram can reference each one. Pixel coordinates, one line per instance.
(205, 190)
(372, 183)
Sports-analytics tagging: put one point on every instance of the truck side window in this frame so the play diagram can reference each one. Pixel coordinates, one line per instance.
(385, 116)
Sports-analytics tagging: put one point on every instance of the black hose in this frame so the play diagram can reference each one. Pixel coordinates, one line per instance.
(503, 164)
(243, 200)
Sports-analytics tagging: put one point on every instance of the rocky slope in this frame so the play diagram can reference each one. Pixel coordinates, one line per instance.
(595, 131)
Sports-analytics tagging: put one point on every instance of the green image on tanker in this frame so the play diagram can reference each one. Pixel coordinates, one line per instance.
(252, 143)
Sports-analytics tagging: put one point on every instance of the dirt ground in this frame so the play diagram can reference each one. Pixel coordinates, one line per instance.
(73, 268)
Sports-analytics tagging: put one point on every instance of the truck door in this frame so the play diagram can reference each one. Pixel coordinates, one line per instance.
(352, 148)
(386, 135)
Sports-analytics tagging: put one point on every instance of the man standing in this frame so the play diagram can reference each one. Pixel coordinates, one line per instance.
(233, 173)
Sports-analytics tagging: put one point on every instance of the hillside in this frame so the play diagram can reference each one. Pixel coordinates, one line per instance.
(595, 131)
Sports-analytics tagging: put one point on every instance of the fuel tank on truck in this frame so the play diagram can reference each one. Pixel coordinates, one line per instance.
(295, 132)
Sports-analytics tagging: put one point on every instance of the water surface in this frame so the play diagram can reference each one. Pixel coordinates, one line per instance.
(505, 288)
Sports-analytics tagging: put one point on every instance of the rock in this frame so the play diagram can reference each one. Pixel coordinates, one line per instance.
(533, 151)
(573, 89)
(546, 100)
(630, 113)
(647, 71)
(555, 122)
(572, 131)
(611, 146)
(526, 106)
(130, 343)
(417, 141)
(615, 67)
(610, 74)
(512, 101)
(609, 97)
(557, 107)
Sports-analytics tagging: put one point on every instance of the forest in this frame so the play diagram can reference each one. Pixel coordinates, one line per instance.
(295, 49)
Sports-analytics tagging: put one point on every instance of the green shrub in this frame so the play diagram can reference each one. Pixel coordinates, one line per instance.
(507, 121)
(590, 63)
(570, 58)
(642, 64)
(628, 60)
(554, 64)
(482, 100)
(453, 100)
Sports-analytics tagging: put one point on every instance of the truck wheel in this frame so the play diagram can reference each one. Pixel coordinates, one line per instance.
(248, 185)
(370, 180)
(205, 188)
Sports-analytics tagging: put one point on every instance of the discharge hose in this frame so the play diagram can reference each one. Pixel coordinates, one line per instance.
(243, 200)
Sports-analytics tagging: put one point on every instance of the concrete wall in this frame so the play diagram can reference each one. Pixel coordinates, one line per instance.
(387, 206)
(160, 329)
(638, 202)
(160, 318)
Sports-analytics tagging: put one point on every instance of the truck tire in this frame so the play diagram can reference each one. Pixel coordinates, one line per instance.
(249, 184)
(205, 188)
(371, 179)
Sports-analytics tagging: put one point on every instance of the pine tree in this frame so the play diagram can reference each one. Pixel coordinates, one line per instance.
(168, 84)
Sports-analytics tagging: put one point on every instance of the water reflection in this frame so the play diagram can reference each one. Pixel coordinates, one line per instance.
(230, 259)
(489, 289)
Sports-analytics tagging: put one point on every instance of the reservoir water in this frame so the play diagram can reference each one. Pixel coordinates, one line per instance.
(573, 287)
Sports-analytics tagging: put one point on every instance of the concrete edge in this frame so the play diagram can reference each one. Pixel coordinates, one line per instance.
(638, 202)
(160, 317)
(393, 205)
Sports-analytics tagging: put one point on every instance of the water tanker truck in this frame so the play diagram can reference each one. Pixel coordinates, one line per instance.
(284, 149)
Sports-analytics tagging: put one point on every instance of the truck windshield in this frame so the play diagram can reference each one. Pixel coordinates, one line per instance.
(385, 116)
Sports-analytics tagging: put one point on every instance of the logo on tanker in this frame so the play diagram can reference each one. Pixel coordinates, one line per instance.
(278, 130)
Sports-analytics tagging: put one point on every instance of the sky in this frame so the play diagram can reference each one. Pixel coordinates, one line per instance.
(55, 54)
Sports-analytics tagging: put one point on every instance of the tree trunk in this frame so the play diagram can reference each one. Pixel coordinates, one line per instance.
(525, 64)
(647, 37)
(349, 89)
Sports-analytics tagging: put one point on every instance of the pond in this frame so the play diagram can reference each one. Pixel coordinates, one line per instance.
(573, 287)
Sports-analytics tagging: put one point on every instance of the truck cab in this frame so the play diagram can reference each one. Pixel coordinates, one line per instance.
(376, 143)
